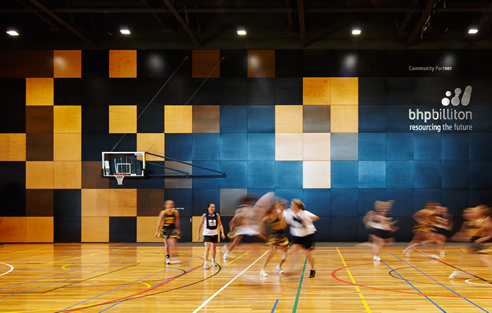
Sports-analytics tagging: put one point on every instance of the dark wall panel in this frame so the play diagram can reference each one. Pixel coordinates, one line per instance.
(67, 229)
(123, 229)
(12, 189)
(67, 202)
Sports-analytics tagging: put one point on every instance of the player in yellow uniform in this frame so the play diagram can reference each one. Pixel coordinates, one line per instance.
(168, 228)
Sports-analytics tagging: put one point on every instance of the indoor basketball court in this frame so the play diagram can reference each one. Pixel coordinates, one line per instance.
(134, 277)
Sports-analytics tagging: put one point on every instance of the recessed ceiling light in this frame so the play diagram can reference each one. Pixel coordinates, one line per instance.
(472, 31)
(241, 31)
(125, 31)
(356, 31)
(12, 32)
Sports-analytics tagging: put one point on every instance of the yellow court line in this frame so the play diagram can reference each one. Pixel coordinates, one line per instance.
(245, 253)
(353, 281)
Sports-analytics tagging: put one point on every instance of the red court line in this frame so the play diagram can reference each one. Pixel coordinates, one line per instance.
(333, 274)
(138, 293)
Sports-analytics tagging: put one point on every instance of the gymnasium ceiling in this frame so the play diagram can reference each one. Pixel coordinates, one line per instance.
(271, 24)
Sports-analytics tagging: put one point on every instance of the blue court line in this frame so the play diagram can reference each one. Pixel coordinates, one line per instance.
(137, 280)
(78, 269)
(413, 286)
(273, 309)
(440, 283)
(294, 262)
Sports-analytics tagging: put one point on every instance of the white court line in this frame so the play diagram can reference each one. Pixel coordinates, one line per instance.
(213, 296)
(11, 269)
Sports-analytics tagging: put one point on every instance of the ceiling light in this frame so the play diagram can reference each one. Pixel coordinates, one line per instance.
(241, 31)
(12, 32)
(356, 31)
(472, 31)
(125, 31)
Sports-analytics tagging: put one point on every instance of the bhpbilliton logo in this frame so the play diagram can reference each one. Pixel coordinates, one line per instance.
(465, 99)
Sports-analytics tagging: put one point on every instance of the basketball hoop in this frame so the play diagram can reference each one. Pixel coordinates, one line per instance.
(119, 177)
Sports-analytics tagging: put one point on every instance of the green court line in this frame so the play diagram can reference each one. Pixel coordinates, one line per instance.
(299, 289)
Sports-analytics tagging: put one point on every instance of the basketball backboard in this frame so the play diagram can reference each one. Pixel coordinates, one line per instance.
(132, 164)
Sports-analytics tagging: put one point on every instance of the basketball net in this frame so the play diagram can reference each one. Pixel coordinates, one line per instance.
(119, 177)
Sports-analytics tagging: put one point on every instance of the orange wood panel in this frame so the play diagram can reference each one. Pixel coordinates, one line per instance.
(204, 62)
(316, 90)
(39, 175)
(95, 229)
(39, 229)
(67, 147)
(206, 119)
(13, 147)
(122, 202)
(39, 91)
(67, 119)
(95, 202)
(122, 63)
(344, 118)
(122, 119)
(67, 63)
(154, 142)
(67, 175)
(13, 228)
(261, 63)
(178, 119)
(344, 90)
(146, 226)
(288, 118)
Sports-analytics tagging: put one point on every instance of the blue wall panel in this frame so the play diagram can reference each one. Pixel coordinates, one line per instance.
(318, 201)
(236, 174)
(201, 199)
(345, 228)
(372, 174)
(368, 196)
(400, 174)
(261, 146)
(344, 146)
(455, 174)
(404, 201)
(206, 182)
(261, 174)
(233, 118)
(427, 174)
(183, 200)
(455, 146)
(206, 147)
(372, 118)
(344, 174)
(288, 174)
(179, 146)
(372, 147)
(233, 146)
(344, 202)
(261, 118)
(399, 147)
(427, 146)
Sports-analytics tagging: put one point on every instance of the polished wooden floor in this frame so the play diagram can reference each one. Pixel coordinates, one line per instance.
(134, 278)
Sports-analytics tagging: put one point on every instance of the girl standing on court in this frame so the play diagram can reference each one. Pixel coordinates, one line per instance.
(210, 233)
(168, 227)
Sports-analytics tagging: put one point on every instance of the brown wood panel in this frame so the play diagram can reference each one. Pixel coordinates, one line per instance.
(95, 202)
(122, 63)
(67, 63)
(67, 119)
(92, 175)
(67, 175)
(39, 175)
(67, 147)
(13, 147)
(39, 202)
(95, 228)
(13, 63)
(150, 202)
(39, 63)
(122, 202)
(316, 90)
(316, 118)
(39, 147)
(39, 119)
(40, 91)
(39, 229)
(261, 63)
(13, 229)
(204, 62)
(206, 119)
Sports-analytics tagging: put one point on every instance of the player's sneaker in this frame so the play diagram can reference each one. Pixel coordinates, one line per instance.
(263, 274)
(279, 269)
(376, 258)
(205, 266)
(213, 263)
(312, 273)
